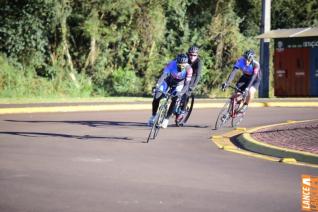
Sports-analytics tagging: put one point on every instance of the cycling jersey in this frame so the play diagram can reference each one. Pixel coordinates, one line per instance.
(250, 69)
(176, 77)
(251, 73)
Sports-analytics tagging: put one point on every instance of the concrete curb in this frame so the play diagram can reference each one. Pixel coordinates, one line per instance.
(256, 149)
(142, 106)
(251, 144)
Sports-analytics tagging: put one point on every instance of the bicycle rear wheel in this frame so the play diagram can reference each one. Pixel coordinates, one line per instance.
(224, 115)
(188, 111)
(189, 108)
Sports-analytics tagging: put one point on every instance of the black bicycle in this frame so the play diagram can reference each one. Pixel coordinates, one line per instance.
(232, 109)
(186, 114)
(160, 116)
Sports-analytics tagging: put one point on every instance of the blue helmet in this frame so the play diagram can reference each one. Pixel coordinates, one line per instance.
(249, 54)
(182, 58)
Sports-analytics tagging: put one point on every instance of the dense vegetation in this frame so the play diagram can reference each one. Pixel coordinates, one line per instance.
(118, 47)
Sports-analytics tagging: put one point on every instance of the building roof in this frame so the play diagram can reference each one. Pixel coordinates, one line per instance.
(290, 33)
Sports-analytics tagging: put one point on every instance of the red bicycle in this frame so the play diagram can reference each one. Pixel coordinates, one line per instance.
(232, 109)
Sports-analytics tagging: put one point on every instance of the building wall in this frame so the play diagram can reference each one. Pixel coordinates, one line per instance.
(295, 65)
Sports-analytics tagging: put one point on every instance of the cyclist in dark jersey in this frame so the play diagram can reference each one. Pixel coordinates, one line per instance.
(196, 65)
(251, 78)
(177, 76)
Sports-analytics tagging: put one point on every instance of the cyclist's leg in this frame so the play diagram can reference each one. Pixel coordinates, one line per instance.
(242, 85)
(250, 96)
(253, 90)
(158, 96)
(172, 105)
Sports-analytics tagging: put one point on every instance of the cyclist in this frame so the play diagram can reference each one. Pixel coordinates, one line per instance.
(196, 65)
(250, 80)
(177, 76)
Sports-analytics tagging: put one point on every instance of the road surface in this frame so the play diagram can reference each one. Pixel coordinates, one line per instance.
(98, 161)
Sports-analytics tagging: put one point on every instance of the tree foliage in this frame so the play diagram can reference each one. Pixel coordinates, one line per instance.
(97, 46)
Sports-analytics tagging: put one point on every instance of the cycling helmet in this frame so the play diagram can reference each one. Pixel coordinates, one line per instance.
(193, 49)
(249, 54)
(182, 58)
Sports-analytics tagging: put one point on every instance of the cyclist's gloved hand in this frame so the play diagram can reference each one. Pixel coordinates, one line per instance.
(155, 90)
(224, 86)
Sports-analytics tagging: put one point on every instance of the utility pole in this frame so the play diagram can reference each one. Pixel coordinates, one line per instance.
(264, 49)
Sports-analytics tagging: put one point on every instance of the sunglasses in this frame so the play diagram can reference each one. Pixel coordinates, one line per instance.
(193, 55)
(181, 65)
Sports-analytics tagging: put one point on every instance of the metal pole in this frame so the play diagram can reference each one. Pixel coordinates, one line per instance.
(264, 49)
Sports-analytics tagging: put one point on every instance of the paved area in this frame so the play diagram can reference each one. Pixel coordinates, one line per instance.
(301, 136)
(98, 161)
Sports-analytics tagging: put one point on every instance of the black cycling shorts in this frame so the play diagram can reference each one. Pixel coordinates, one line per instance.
(244, 81)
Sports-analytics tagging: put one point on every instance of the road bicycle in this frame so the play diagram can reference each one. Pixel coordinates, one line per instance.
(160, 116)
(188, 109)
(232, 109)
(163, 110)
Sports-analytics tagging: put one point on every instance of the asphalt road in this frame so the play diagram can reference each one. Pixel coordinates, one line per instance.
(97, 161)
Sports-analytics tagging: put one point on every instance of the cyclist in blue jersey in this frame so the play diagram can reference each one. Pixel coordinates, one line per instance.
(251, 78)
(177, 76)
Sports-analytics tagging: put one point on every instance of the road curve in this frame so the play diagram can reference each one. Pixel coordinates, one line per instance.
(97, 161)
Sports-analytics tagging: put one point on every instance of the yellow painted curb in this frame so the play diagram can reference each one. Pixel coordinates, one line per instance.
(223, 142)
(247, 136)
(288, 160)
(134, 106)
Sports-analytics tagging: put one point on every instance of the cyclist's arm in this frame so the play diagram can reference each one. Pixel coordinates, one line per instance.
(187, 80)
(162, 78)
(198, 75)
(165, 74)
(232, 75)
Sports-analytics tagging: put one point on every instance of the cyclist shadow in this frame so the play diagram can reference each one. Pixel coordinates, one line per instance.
(190, 126)
(128, 136)
(88, 123)
(89, 138)
(61, 135)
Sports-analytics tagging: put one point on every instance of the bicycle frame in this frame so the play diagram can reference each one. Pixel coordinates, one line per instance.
(231, 109)
(161, 114)
(236, 99)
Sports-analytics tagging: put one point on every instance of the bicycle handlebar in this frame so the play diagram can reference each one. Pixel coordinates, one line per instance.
(167, 93)
(236, 88)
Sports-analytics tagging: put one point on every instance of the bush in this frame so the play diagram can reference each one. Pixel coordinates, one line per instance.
(125, 82)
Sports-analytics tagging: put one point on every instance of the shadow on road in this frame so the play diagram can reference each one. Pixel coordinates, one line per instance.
(90, 123)
(190, 126)
(84, 137)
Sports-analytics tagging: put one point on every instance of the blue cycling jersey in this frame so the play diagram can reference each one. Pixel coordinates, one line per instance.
(247, 69)
(172, 70)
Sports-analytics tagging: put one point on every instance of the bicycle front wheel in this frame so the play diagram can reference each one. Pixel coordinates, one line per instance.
(153, 131)
(224, 115)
